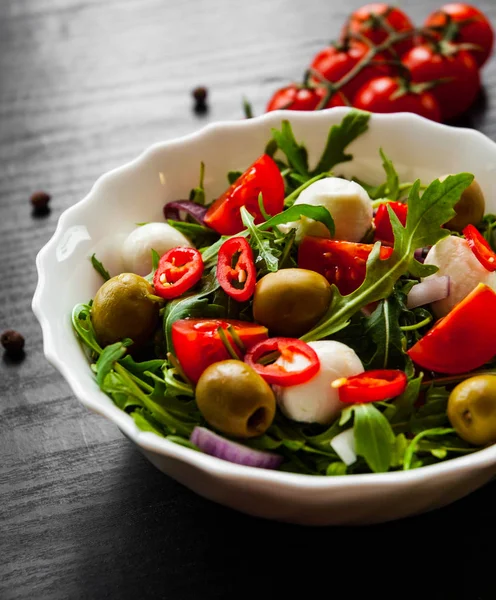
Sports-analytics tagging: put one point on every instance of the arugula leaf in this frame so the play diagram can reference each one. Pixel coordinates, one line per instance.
(81, 322)
(384, 329)
(489, 230)
(146, 422)
(261, 243)
(336, 468)
(99, 268)
(423, 228)
(433, 413)
(374, 191)
(197, 194)
(402, 407)
(392, 179)
(354, 124)
(188, 306)
(233, 176)
(399, 447)
(199, 234)
(317, 213)
(410, 451)
(155, 261)
(107, 358)
(374, 437)
(295, 153)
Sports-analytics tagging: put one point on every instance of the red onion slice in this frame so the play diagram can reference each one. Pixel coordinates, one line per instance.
(173, 210)
(215, 445)
(421, 253)
(429, 290)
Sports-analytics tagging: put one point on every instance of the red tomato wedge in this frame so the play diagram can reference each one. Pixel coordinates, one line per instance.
(480, 247)
(262, 177)
(298, 362)
(383, 228)
(197, 343)
(236, 271)
(463, 340)
(371, 386)
(178, 270)
(341, 263)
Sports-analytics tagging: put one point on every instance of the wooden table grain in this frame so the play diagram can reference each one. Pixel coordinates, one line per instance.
(86, 85)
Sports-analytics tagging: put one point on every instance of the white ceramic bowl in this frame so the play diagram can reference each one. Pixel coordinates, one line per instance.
(137, 191)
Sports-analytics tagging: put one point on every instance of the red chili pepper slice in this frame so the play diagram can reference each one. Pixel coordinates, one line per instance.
(236, 269)
(298, 362)
(383, 228)
(178, 271)
(371, 386)
(480, 247)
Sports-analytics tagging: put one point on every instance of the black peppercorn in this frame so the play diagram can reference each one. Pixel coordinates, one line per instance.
(39, 201)
(200, 96)
(13, 342)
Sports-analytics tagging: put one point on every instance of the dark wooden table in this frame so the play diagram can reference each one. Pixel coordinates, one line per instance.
(85, 85)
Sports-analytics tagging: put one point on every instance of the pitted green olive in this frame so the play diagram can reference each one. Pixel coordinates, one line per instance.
(469, 209)
(235, 400)
(291, 301)
(122, 308)
(472, 409)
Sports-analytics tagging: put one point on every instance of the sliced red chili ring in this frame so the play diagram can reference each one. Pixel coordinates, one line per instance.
(236, 271)
(178, 270)
(371, 386)
(293, 353)
(480, 247)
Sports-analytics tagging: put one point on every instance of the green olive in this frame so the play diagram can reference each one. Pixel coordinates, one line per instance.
(472, 409)
(234, 399)
(122, 308)
(291, 301)
(469, 209)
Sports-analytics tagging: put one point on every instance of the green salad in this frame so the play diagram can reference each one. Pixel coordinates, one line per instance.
(305, 321)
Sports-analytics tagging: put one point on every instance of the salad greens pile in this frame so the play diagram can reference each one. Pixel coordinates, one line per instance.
(408, 432)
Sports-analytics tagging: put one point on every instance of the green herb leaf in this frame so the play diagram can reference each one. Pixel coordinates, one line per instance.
(410, 451)
(199, 235)
(317, 213)
(336, 468)
(81, 322)
(384, 329)
(146, 422)
(197, 194)
(392, 179)
(261, 243)
(404, 405)
(99, 268)
(233, 176)
(295, 153)
(374, 437)
(354, 124)
(424, 222)
(374, 192)
(107, 359)
(155, 261)
(247, 109)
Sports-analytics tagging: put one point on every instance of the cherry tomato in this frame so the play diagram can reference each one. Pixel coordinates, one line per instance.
(464, 24)
(262, 176)
(387, 95)
(281, 372)
(480, 247)
(376, 21)
(371, 386)
(341, 263)
(178, 270)
(464, 339)
(294, 97)
(454, 96)
(333, 63)
(383, 228)
(197, 343)
(236, 271)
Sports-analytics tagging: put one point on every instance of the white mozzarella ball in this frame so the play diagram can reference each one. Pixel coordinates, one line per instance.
(454, 258)
(348, 203)
(137, 247)
(316, 401)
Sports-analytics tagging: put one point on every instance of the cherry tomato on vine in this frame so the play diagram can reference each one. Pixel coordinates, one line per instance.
(464, 24)
(295, 97)
(390, 95)
(334, 63)
(454, 96)
(264, 177)
(376, 21)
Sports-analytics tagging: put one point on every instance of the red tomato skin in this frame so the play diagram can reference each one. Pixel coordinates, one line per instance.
(333, 64)
(360, 23)
(463, 340)
(454, 97)
(478, 32)
(383, 228)
(197, 344)
(294, 97)
(378, 96)
(341, 263)
(262, 176)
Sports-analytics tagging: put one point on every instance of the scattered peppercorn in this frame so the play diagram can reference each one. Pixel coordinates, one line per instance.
(200, 96)
(40, 201)
(13, 342)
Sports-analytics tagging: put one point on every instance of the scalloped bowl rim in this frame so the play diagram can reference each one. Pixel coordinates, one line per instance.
(151, 442)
